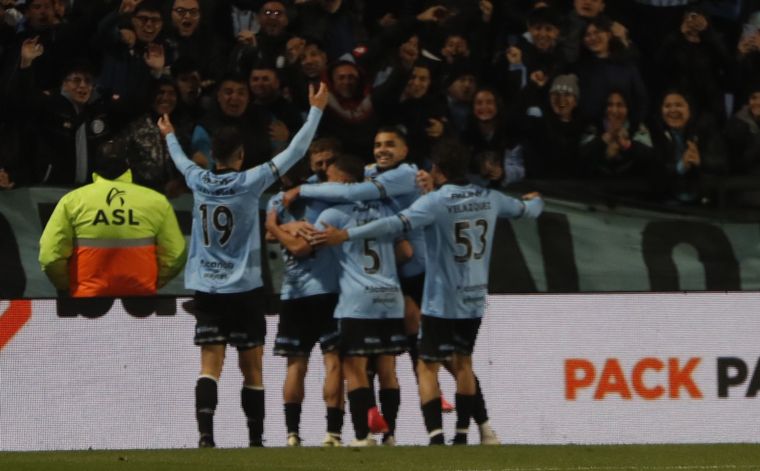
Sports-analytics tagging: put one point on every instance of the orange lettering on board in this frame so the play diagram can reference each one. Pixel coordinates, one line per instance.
(637, 378)
(682, 378)
(612, 381)
(572, 381)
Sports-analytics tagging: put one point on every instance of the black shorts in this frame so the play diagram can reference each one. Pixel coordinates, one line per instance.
(236, 319)
(440, 338)
(413, 287)
(304, 322)
(366, 337)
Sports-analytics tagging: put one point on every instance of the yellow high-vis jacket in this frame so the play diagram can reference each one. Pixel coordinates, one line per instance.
(112, 238)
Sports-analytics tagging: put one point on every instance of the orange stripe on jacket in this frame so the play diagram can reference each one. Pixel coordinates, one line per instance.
(123, 271)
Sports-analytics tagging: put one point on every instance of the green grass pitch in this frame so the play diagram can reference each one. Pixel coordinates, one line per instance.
(735, 457)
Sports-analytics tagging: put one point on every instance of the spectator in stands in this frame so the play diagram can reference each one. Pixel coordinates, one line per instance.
(554, 131)
(269, 106)
(489, 126)
(748, 59)
(232, 101)
(743, 141)
(619, 145)
(70, 124)
(268, 44)
(308, 64)
(146, 149)
(576, 23)
(112, 237)
(605, 65)
(461, 83)
(332, 22)
(687, 147)
(190, 36)
(695, 60)
(190, 88)
(536, 52)
(134, 49)
(62, 40)
(350, 115)
(496, 170)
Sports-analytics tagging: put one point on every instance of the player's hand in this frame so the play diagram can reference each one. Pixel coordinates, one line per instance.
(330, 236)
(165, 125)
(531, 196)
(271, 220)
(290, 196)
(424, 181)
(295, 227)
(318, 99)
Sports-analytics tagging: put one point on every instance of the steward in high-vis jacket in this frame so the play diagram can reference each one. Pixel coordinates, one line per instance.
(112, 237)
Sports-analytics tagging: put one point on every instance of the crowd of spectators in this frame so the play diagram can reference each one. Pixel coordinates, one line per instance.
(665, 91)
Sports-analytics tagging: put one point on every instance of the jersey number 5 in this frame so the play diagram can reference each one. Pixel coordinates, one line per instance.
(222, 221)
(462, 237)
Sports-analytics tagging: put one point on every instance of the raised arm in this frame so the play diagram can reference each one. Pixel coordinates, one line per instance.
(282, 162)
(179, 158)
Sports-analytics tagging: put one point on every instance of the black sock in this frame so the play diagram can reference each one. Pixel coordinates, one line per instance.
(464, 403)
(335, 420)
(292, 416)
(414, 353)
(360, 400)
(371, 381)
(390, 399)
(252, 401)
(479, 412)
(205, 405)
(431, 412)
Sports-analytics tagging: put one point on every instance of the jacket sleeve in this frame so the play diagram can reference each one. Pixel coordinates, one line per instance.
(57, 246)
(171, 250)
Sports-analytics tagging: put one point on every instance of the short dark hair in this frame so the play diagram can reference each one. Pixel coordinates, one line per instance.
(149, 5)
(451, 157)
(351, 165)
(110, 159)
(397, 130)
(226, 142)
(324, 144)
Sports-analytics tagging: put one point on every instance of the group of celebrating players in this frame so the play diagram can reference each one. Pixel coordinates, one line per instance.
(376, 263)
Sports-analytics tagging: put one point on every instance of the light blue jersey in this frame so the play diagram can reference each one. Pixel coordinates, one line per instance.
(313, 274)
(459, 222)
(225, 245)
(399, 184)
(369, 285)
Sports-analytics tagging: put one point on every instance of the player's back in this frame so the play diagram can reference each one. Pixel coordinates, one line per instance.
(311, 275)
(459, 242)
(400, 182)
(225, 242)
(368, 282)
